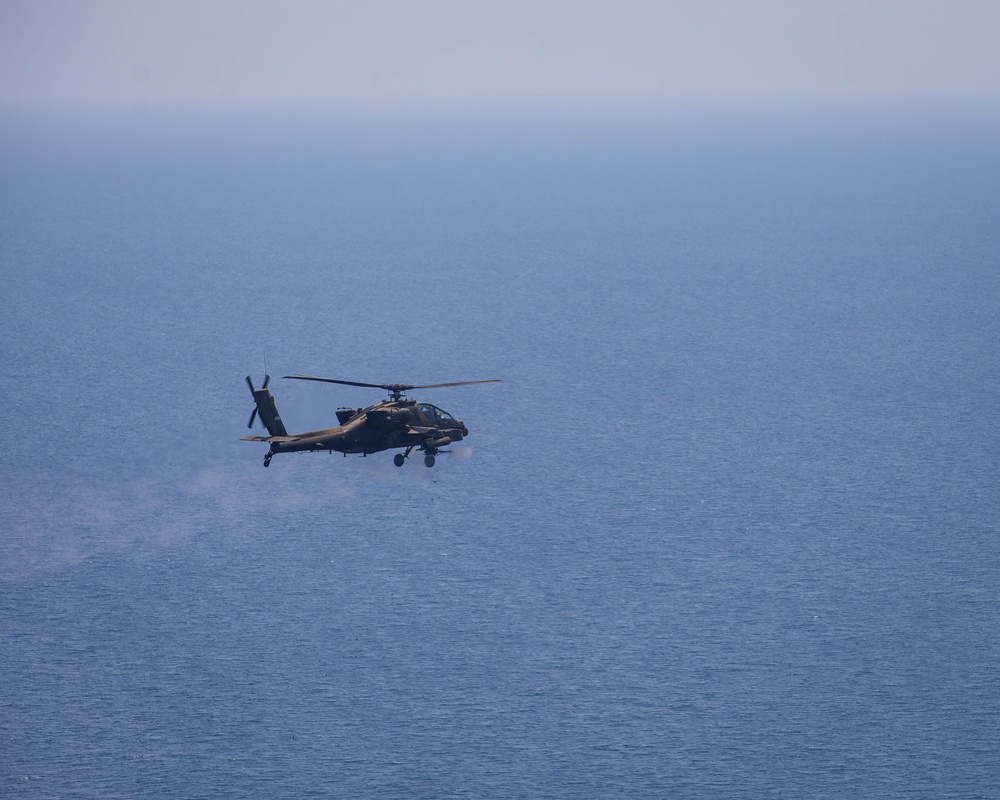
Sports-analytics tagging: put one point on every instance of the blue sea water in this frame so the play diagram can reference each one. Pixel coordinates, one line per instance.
(729, 529)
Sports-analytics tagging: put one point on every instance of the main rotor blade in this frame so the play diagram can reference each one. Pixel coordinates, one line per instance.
(405, 387)
(460, 383)
(334, 380)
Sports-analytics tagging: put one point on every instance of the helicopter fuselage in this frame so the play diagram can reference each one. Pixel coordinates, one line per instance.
(384, 426)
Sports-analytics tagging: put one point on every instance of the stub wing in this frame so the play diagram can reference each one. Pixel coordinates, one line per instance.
(417, 430)
(279, 439)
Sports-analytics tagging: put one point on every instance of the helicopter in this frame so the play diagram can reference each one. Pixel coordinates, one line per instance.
(397, 422)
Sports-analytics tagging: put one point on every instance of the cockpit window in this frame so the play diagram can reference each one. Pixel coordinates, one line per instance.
(435, 414)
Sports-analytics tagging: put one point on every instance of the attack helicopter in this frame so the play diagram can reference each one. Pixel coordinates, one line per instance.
(395, 423)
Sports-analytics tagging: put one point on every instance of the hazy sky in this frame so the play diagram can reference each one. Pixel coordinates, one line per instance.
(539, 50)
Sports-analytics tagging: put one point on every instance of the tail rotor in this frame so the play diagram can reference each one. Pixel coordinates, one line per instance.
(253, 414)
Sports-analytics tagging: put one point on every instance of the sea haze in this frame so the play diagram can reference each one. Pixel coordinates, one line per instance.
(728, 530)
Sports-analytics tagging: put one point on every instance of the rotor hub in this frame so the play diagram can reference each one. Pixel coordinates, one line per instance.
(397, 390)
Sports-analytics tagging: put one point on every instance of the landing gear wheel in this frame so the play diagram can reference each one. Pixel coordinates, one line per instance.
(267, 460)
(428, 460)
(398, 459)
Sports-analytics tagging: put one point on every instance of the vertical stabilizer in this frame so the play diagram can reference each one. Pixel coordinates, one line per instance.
(265, 408)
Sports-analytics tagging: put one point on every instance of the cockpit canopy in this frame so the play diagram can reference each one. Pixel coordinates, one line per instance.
(436, 415)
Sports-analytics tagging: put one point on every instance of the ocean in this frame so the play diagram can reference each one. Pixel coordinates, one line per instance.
(729, 529)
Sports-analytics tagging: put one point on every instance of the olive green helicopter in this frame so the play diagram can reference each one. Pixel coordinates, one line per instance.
(395, 423)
